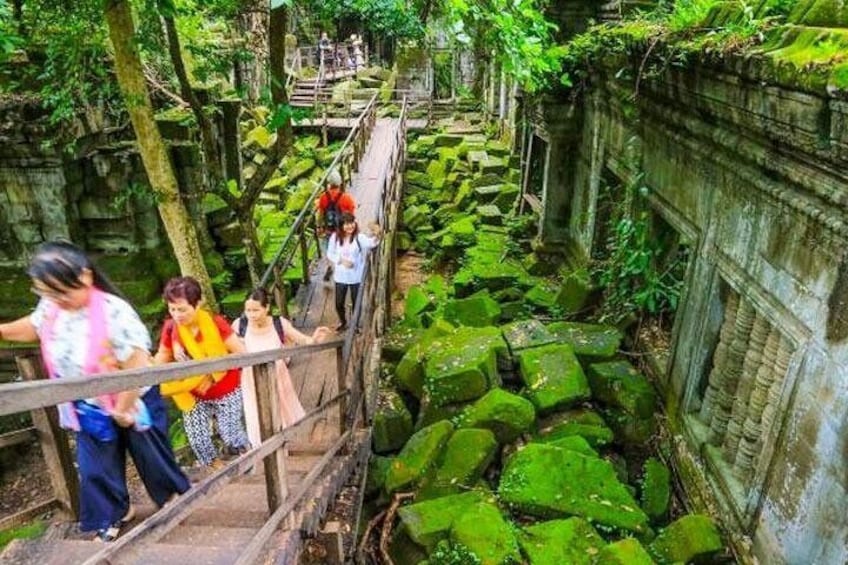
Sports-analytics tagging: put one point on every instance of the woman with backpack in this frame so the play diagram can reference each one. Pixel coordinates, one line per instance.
(195, 333)
(261, 331)
(346, 253)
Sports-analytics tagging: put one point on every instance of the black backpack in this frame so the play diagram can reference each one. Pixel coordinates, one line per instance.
(278, 325)
(333, 215)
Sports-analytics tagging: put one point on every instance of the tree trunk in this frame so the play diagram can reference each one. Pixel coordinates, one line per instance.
(277, 60)
(154, 154)
(253, 253)
(253, 24)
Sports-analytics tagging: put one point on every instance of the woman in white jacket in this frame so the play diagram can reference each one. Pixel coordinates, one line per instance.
(347, 252)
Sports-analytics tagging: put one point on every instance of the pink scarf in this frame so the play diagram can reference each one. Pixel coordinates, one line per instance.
(97, 357)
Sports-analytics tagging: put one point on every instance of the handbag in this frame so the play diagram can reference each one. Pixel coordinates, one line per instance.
(95, 421)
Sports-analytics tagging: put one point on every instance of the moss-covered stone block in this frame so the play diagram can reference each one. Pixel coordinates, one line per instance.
(428, 522)
(591, 342)
(506, 414)
(629, 429)
(585, 423)
(398, 340)
(542, 296)
(574, 291)
(553, 377)
(409, 374)
(463, 231)
(392, 422)
(492, 165)
(539, 265)
(466, 456)
(525, 334)
(300, 168)
(417, 302)
(447, 140)
(378, 468)
(430, 412)
(479, 310)
(463, 365)
(484, 531)
(691, 538)
(627, 551)
(618, 384)
(489, 214)
(418, 456)
(437, 173)
(573, 541)
(549, 482)
(574, 443)
(656, 490)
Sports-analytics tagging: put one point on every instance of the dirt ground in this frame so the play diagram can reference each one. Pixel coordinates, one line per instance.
(23, 480)
(409, 272)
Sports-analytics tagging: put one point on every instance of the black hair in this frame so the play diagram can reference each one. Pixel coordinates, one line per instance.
(59, 265)
(347, 218)
(260, 295)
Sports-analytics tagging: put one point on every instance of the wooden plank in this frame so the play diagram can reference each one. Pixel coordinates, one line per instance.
(169, 517)
(23, 396)
(271, 423)
(255, 548)
(18, 437)
(54, 444)
(534, 202)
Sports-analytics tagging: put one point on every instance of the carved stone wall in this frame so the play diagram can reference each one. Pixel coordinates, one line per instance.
(756, 175)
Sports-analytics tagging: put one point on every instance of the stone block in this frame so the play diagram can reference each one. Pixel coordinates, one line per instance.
(484, 531)
(585, 423)
(624, 552)
(428, 522)
(378, 468)
(478, 310)
(691, 538)
(656, 490)
(619, 385)
(573, 443)
(525, 334)
(489, 214)
(550, 482)
(591, 342)
(392, 422)
(553, 377)
(409, 374)
(420, 454)
(506, 414)
(467, 455)
(398, 340)
(557, 542)
(574, 291)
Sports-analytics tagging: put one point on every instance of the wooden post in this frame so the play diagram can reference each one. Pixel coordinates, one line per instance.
(342, 386)
(280, 292)
(330, 538)
(54, 444)
(271, 423)
(304, 257)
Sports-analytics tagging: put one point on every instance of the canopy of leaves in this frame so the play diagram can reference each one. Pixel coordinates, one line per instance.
(391, 19)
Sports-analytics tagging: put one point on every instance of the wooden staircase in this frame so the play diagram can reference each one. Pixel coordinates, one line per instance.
(218, 530)
(307, 91)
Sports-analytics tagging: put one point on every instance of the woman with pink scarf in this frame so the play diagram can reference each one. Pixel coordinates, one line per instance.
(85, 328)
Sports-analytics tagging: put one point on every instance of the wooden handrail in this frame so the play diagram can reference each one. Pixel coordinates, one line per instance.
(307, 212)
(23, 396)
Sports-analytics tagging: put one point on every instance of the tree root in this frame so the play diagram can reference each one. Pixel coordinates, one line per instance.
(388, 523)
(366, 536)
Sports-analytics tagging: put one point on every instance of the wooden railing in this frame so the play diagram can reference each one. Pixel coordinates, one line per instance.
(298, 237)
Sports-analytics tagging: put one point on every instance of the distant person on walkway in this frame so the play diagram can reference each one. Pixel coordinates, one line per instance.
(331, 205)
(86, 329)
(195, 333)
(358, 58)
(262, 332)
(347, 253)
(325, 49)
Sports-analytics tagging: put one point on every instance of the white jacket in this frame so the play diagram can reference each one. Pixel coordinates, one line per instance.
(350, 251)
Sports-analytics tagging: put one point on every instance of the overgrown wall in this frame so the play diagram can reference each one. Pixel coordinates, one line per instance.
(754, 176)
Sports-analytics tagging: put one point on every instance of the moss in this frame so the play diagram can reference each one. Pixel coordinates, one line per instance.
(398, 340)
(525, 334)
(624, 552)
(392, 422)
(416, 303)
(27, 531)
(418, 456)
(429, 521)
(378, 468)
(479, 310)
(656, 490)
(591, 342)
(467, 455)
(618, 384)
(573, 541)
(691, 538)
(585, 423)
(553, 377)
(546, 481)
(573, 443)
(462, 365)
(574, 291)
(506, 414)
(485, 532)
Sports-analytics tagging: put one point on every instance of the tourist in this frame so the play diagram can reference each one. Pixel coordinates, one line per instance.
(331, 205)
(87, 329)
(346, 253)
(325, 49)
(195, 333)
(358, 58)
(261, 332)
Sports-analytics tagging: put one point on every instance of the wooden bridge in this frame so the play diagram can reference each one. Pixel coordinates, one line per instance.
(258, 508)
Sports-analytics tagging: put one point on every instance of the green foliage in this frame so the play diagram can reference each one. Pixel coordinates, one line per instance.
(387, 18)
(133, 191)
(177, 434)
(452, 553)
(27, 531)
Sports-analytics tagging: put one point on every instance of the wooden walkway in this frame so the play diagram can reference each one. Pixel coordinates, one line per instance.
(314, 376)
(221, 520)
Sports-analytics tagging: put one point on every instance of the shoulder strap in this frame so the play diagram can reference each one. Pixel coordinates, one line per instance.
(278, 325)
(242, 325)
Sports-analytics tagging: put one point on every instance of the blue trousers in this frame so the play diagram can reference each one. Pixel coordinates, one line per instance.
(104, 498)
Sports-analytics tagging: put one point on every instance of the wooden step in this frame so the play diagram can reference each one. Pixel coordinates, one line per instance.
(183, 554)
(227, 518)
(239, 495)
(209, 535)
